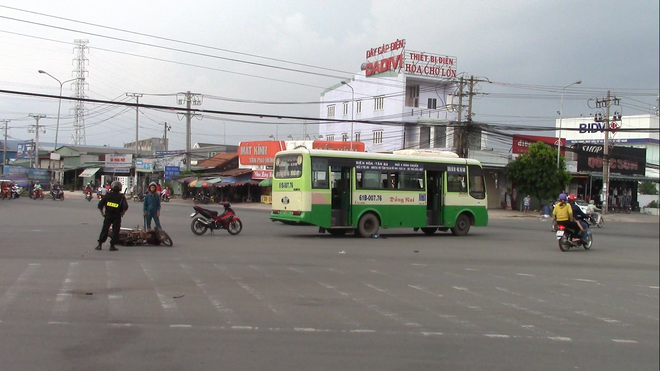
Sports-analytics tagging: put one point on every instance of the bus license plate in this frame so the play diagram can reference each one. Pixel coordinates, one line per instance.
(560, 233)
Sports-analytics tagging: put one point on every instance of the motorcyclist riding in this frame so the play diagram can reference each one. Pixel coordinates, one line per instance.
(579, 216)
(37, 189)
(563, 214)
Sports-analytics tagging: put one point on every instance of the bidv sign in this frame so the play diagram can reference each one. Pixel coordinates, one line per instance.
(592, 127)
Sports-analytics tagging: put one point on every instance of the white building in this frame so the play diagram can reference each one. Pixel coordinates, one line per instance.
(587, 130)
(410, 92)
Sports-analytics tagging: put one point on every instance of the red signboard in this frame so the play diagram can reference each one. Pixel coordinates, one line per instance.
(338, 145)
(262, 174)
(259, 153)
(521, 143)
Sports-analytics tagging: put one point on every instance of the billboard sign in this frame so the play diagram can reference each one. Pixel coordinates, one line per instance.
(144, 165)
(521, 143)
(337, 145)
(115, 161)
(171, 172)
(259, 152)
(388, 57)
(25, 150)
(429, 65)
(623, 160)
(262, 174)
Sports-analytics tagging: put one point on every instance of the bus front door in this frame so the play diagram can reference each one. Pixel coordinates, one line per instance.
(434, 198)
(341, 196)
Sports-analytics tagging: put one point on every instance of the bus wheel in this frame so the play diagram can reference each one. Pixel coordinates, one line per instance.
(429, 231)
(368, 225)
(462, 226)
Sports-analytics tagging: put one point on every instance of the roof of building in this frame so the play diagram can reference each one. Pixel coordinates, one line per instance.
(218, 160)
(99, 149)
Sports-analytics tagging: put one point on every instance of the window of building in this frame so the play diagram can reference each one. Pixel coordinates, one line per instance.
(412, 96)
(377, 137)
(357, 137)
(331, 110)
(440, 136)
(330, 137)
(424, 137)
(379, 103)
(358, 106)
(432, 104)
(344, 137)
(346, 111)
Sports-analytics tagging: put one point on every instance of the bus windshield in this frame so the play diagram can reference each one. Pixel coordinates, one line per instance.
(288, 167)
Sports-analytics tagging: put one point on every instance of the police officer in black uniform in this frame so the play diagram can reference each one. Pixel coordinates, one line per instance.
(115, 205)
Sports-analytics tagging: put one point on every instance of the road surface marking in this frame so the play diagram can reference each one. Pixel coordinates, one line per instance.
(115, 300)
(497, 336)
(583, 280)
(559, 338)
(626, 341)
(63, 299)
(525, 274)
(214, 299)
(166, 302)
(12, 293)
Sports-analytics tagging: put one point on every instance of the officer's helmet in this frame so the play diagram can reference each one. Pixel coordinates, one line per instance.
(116, 186)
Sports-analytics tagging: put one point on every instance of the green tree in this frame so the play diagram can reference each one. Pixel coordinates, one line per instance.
(536, 172)
(648, 188)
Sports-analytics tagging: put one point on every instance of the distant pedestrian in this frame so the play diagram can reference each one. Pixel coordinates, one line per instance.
(526, 202)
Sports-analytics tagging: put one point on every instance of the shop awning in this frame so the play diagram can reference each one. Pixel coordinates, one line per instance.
(90, 171)
(214, 180)
(186, 179)
(626, 178)
(266, 183)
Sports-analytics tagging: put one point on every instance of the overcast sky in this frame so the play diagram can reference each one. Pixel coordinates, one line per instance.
(527, 49)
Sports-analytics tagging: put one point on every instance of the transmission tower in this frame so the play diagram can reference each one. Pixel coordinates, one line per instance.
(80, 61)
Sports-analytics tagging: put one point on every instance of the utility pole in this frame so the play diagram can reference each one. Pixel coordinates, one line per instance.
(607, 102)
(137, 119)
(4, 147)
(36, 146)
(166, 128)
(190, 99)
(458, 132)
(464, 129)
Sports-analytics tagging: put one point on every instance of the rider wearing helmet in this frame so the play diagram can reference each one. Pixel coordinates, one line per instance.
(113, 206)
(578, 214)
(563, 213)
(151, 206)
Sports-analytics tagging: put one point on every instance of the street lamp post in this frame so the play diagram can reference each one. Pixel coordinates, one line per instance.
(59, 105)
(352, 110)
(561, 116)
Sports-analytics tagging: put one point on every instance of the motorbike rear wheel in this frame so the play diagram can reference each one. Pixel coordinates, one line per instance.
(600, 222)
(234, 227)
(564, 244)
(197, 227)
(590, 241)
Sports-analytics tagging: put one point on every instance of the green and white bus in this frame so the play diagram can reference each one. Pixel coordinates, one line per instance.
(341, 191)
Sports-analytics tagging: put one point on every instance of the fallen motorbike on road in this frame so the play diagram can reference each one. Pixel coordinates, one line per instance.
(205, 219)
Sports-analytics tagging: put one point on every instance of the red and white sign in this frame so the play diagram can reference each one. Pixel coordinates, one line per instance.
(521, 143)
(431, 65)
(260, 152)
(262, 174)
(338, 145)
(118, 160)
(388, 57)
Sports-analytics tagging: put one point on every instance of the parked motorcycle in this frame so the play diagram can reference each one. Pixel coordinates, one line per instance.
(57, 194)
(201, 198)
(565, 238)
(165, 197)
(205, 219)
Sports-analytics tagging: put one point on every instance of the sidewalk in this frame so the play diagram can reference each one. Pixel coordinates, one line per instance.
(634, 217)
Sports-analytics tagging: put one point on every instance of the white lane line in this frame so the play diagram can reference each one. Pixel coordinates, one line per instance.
(497, 336)
(220, 307)
(166, 302)
(472, 269)
(63, 299)
(525, 274)
(559, 338)
(256, 294)
(604, 319)
(625, 341)
(432, 333)
(425, 290)
(180, 326)
(584, 280)
(12, 293)
(459, 288)
(115, 300)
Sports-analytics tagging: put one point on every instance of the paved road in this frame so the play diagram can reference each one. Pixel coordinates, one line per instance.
(278, 297)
